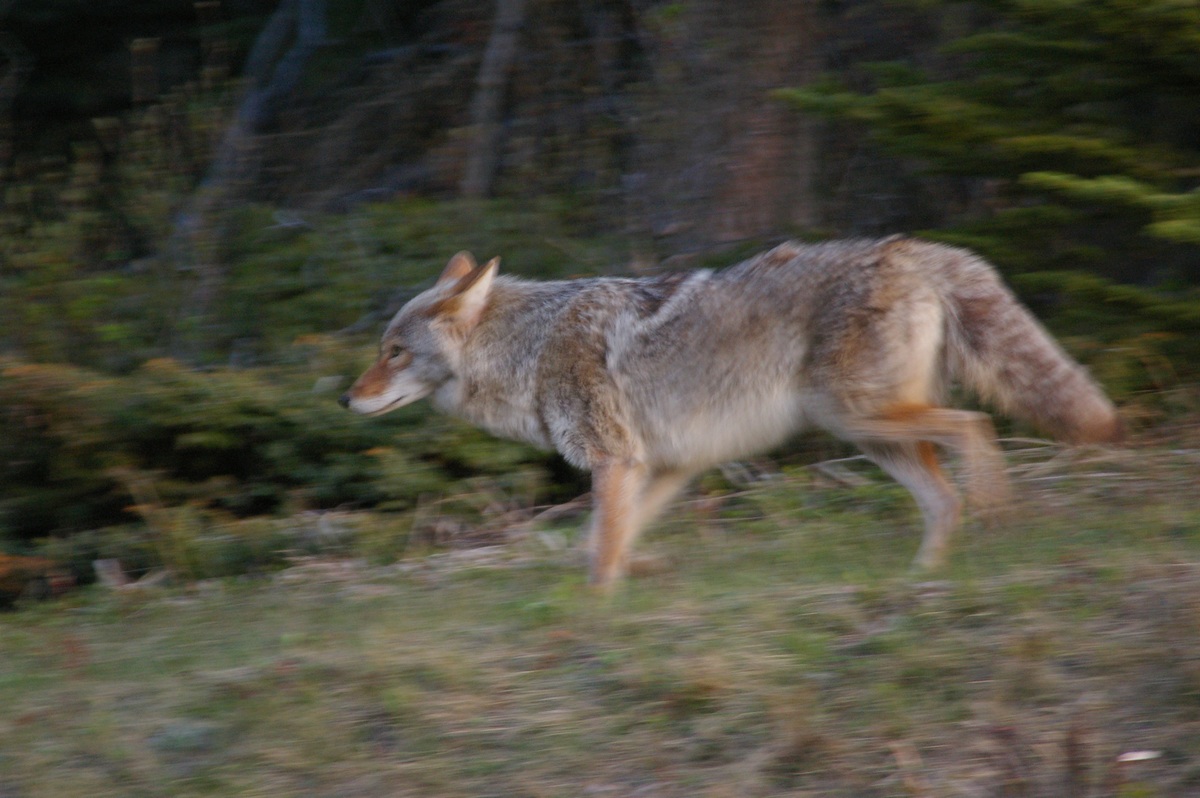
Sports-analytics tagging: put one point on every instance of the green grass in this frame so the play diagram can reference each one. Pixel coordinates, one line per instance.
(783, 650)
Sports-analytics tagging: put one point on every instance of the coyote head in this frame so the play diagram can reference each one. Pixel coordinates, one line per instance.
(420, 348)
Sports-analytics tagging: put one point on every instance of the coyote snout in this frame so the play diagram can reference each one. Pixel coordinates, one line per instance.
(646, 382)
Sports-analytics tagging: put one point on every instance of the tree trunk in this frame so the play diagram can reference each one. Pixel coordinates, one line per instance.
(269, 77)
(768, 180)
(484, 155)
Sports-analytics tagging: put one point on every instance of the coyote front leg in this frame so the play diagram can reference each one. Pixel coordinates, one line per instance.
(661, 487)
(617, 486)
(627, 498)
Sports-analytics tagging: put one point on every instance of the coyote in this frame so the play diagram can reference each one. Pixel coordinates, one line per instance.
(647, 382)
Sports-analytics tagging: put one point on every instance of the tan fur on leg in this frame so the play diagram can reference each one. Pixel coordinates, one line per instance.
(971, 433)
(616, 486)
(915, 466)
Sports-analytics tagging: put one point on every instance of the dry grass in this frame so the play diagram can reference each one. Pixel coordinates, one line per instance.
(784, 651)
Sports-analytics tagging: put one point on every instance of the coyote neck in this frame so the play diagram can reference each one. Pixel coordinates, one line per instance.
(495, 385)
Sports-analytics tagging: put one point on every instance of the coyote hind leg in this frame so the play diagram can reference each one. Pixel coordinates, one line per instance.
(902, 440)
(969, 432)
(915, 466)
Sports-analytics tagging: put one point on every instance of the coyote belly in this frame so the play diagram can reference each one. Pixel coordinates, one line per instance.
(646, 382)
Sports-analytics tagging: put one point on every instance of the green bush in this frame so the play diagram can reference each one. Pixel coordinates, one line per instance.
(74, 446)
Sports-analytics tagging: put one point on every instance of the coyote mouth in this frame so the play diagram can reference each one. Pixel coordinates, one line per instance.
(389, 407)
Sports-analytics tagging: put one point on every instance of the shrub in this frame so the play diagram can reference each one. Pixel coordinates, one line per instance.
(75, 446)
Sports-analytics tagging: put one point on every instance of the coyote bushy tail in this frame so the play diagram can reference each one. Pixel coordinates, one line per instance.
(999, 350)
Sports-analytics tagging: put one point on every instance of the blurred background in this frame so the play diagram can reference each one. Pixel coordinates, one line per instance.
(210, 208)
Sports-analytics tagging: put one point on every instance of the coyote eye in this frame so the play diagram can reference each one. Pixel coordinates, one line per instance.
(396, 350)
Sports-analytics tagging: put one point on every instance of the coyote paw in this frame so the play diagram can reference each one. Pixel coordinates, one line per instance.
(648, 565)
(929, 559)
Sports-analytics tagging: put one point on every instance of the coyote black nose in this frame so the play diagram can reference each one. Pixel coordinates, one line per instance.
(344, 400)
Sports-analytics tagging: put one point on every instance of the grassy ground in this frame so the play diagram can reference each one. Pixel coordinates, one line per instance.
(780, 648)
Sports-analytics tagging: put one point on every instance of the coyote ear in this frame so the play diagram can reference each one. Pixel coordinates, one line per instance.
(459, 267)
(470, 295)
